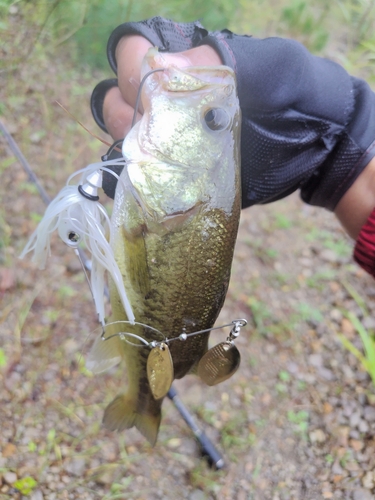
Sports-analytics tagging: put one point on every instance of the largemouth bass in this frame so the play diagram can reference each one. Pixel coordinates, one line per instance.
(174, 226)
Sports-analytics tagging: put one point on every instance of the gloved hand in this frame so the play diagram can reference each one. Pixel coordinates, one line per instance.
(306, 123)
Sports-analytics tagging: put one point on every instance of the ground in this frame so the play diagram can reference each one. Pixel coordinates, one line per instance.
(295, 422)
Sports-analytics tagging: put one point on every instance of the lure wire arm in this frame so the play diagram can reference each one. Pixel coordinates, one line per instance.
(236, 324)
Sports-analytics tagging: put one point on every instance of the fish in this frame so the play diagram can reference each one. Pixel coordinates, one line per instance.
(174, 225)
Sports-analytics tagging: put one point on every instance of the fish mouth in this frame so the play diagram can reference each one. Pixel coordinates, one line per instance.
(179, 75)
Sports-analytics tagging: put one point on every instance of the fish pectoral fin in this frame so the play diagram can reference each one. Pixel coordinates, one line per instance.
(104, 354)
(122, 414)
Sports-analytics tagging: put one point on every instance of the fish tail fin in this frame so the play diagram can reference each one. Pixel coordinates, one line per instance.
(122, 414)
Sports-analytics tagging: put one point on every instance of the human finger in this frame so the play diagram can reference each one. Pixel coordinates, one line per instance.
(130, 53)
(117, 113)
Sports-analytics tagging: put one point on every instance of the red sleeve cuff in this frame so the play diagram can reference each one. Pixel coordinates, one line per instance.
(364, 250)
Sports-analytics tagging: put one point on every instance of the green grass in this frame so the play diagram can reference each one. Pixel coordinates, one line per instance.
(300, 420)
(367, 356)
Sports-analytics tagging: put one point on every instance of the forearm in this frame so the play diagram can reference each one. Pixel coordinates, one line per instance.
(358, 202)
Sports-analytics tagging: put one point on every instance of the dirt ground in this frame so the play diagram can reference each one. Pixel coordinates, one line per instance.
(295, 422)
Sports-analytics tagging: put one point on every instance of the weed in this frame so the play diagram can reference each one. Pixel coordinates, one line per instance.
(82, 366)
(282, 222)
(31, 446)
(301, 385)
(357, 297)
(345, 459)
(271, 252)
(3, 358)
(367, 358)
(319, 279)
(35, 217)
(281, 388)
(300, 420)
(284, 376)
(333, 241)
(25, 485)
(6, 162)
(5, 233)
(204, 479)
(300, 17)
(307, 313)
(260, 313)
(66, 291)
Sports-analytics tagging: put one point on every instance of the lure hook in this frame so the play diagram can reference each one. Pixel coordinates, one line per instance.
(139, 93)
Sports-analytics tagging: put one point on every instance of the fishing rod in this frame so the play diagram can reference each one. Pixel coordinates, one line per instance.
(208, 450)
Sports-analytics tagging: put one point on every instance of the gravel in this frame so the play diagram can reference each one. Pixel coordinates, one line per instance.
(296, 422)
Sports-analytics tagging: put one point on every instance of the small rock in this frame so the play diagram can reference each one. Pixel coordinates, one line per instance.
(107, 476)
(368, 480)
(37, 495)
(7, 279)
(369, 323)
(292, 367)
(329, 255)
(334, 401)
(355, 419)
(336, 315)
(10, 477)
(316, 360)
(363, 426)
(9, 450)
(356, 445)
(174, 442)
(109, 451)
(362, 399)
(76, 467)
(343, 434)
(305, 261)
(326, 373)
(70, 346)
(347, 328)
(348, 372)
(197, 495)
(362, 494)
(352, 466)
(348, 408)
(369, 413)
(317, 436)
(354, 434)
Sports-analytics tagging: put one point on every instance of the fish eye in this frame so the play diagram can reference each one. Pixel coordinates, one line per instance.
(216, 118)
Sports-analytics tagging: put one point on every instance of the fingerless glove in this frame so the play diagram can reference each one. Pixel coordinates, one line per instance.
(306, 123)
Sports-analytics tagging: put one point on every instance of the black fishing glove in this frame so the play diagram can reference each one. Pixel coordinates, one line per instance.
(306, 123)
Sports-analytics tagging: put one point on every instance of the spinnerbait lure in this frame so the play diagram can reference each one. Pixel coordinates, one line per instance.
(78, 217)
